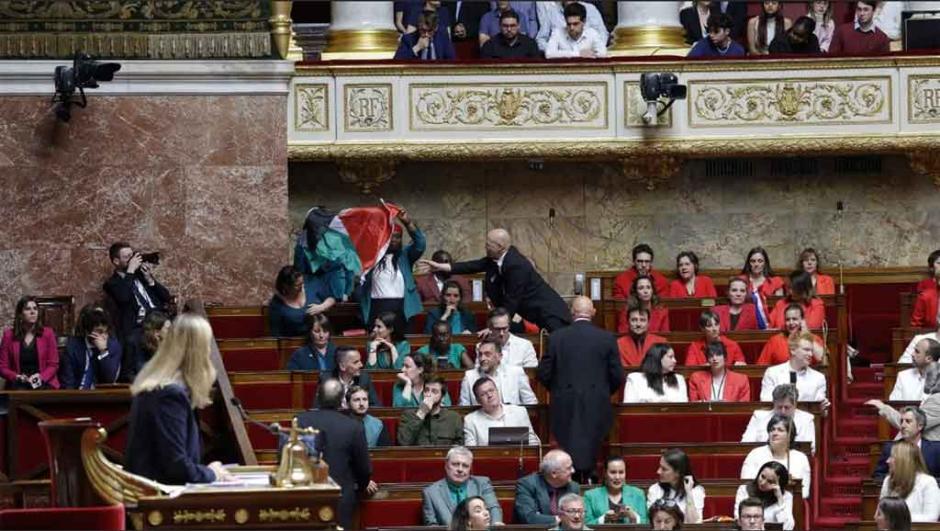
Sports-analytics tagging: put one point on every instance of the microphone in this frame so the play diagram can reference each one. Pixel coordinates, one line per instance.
(273, 428)
(793, 377)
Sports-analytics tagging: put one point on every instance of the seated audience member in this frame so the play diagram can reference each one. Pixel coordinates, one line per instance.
(357, 401)
(430, 424)
(511, 380)
(642, 256)
(155, 327)
(428, 43)
(615, 502)
(809, 263)
(769, 488)
(405, 11)
(644, 295)
(802, 293)
(738, 314)
(821, 12)
(428, 6)
(749, 514)
(862, 36)
(908, 355)
(93, 354)
(431, 285)
(810, 383)
(349, 372)
(677, 483)
(570, 512)
(388, 347)
(909, 386)
(778, 347)
(636, 343)
(929, 405)
(552, 17)
(290, 305)
(466, 21)
(440, 499)
(576, 39)
(925, 307)
(319, 354)
(694, 20)
(762, 28)
(134, 291)
(799, 39)
(510, 42)
(491, 23)
(933, 273)
(718, 41)
(493, 413)
(658, 380)
(759, 275)
(913, 420)
(710, 325)
(408, 391)
(781, 436)
(718, 384)
(892, 514)
(516, 350)
(908, 479)
(29, 354)
(785, 400)
(689, 283)
(450, 310)
(446, 353)
(665, 515)
(888, 19)
(538, 493)
(471, 514)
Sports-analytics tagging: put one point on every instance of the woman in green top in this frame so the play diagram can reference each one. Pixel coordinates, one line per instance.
(408, 391)
(388, 347)
(615, 502)
(447, 354)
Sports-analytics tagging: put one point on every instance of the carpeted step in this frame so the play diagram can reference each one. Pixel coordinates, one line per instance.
(852, 447)
(833, 522)
(843, 506)
(866, 390)
(836, 487)
(848, 467)
(867, 374)
(859, 427)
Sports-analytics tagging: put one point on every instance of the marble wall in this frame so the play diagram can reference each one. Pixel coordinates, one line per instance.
(202, 179)
(890, 218)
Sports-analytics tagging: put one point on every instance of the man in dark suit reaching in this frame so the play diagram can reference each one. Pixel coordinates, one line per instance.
(581, 370)
(343, 441)
(513, 283)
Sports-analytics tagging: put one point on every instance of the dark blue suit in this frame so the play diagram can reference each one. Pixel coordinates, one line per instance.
(929, 449)
(443, 48)
(163, 442)
(72, 366)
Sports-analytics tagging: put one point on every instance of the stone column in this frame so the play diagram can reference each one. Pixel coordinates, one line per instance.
(361, 31)
(648, 28)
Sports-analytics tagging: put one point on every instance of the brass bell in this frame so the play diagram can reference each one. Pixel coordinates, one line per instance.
(294, 469)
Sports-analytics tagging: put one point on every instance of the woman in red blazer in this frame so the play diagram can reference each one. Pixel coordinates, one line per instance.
(809, 262)
(933, 273)
(29, 356)
(738, 314)
(689, 283)
(643, 295)
(777, 348)
(710, 325)
(759, 275)
(718, 383)
(801, 292)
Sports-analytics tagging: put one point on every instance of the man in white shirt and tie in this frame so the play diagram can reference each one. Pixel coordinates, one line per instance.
(810, 383)
(575, 39)
(493, 414)
(785, 402)
(909, 386)
(511, 380)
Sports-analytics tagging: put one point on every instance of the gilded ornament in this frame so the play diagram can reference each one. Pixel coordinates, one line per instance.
(186, 516)
(650, 170)
(311, 107)
(366, 174)
(297, 514)
(368, 107)
(923, 99)
(155, 518)
(241, 516)
(325, 513)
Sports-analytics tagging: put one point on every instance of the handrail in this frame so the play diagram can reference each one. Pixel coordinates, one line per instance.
(245, 450)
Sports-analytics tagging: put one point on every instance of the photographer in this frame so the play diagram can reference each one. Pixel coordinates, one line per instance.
(135, 293)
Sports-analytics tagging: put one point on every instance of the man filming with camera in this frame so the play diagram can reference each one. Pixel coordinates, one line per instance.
(135, 293)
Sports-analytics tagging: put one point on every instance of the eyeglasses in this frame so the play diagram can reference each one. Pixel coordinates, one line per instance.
(573, 512)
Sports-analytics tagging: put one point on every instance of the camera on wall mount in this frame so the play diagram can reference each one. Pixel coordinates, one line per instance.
(660, 89)
(84, 73)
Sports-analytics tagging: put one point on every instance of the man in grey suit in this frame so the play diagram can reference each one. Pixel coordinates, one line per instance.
(538, 494)
(442, 496)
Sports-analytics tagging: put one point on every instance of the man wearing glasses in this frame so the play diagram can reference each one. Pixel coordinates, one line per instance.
(751, 515)
(517, 351)
(510, 42)
(571, 515)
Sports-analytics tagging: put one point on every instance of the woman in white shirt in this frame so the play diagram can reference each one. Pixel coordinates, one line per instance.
(658, 381)
(768, 487)
(821, 12)
(678, 483)
(909, 480)
(781, 433)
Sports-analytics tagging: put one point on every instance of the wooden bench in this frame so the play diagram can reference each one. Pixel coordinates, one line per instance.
(901, 338)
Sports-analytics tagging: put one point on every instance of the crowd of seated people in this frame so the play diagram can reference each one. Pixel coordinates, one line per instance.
(433, 30)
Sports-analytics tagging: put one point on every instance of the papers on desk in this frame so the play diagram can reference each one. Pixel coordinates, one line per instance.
(243, 480)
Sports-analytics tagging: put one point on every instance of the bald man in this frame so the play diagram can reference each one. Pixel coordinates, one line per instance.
(581, 370)
(513, 283)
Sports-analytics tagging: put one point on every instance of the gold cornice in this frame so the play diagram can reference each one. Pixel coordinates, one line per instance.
(686, 147)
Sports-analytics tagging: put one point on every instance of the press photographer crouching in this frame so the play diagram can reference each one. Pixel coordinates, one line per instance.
(134, 293)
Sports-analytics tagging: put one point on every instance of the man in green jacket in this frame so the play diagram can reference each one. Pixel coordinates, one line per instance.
(430, 424)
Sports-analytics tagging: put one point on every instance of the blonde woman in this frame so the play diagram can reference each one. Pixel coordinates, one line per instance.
(163, 443)
(909, 480)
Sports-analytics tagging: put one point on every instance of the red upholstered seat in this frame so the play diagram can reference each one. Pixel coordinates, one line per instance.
(689, 428)
(643, 467)
(110, 517)
(264, 395)
(250, 355)
(392, 512)
(236, 326)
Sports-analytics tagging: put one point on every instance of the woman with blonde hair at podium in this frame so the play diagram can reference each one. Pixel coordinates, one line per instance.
(163, 442)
